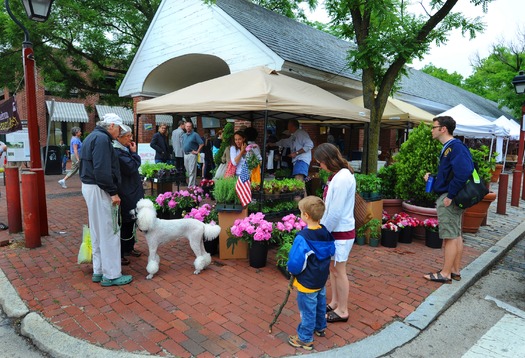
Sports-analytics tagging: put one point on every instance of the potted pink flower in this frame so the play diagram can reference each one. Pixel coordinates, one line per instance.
(283, 235)
(257, 232)
(389, 233)
(207, 214)
(432, 238)
(406, 223)
(178, 203)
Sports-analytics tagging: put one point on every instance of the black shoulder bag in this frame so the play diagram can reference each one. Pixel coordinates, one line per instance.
(472, 193)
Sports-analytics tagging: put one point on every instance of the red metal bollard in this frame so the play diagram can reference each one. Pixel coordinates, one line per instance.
(31, 208)
(12, 192)
(44, 229)
(502, 194)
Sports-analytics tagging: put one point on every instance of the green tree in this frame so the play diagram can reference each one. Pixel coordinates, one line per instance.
(492, 76)
(453, 78)
(387, 37)
(85, 47)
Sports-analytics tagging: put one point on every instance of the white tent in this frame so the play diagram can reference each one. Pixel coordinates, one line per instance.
(514, 130)
(471, 124)
(504, 123)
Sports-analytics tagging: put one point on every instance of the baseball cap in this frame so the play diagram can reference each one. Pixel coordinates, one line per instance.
(113, 118)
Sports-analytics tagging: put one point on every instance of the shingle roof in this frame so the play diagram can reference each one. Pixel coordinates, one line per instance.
(301, 44)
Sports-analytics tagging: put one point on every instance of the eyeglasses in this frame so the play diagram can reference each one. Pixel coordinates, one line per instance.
(434, 127)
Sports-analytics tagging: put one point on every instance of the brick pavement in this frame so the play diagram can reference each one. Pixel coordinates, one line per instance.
(224, 311)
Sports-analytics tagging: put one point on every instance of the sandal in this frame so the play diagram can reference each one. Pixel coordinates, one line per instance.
(3, 226)
(437, 277)
(320, 333)
(124, 261)
(97, 277)
(329, 308)
(333, 317)
(119, 281)
(454, 276)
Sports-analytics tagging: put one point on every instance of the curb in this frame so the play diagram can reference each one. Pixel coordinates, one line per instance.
(51, 340)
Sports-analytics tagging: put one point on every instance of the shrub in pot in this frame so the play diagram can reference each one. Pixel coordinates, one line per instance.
(369, 186)
(417, 156)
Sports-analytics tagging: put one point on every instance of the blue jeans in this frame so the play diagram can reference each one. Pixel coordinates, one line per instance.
(312, 307)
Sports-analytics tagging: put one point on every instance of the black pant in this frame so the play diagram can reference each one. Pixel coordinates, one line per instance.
(179, 164)
(127, 241)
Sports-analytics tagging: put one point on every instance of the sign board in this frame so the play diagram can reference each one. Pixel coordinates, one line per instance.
(146, 153)
(210, 122)
(18, 146)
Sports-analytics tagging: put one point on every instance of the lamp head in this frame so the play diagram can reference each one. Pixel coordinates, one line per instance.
(38, 10)
(519, 83)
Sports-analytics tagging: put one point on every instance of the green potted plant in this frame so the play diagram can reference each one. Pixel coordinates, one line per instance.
(369, 186)
(417, 156)
(374, 232)
(225, 195)
(392, 204)
(360, 238)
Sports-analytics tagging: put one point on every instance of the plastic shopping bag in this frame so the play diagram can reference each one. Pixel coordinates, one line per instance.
(84, 254)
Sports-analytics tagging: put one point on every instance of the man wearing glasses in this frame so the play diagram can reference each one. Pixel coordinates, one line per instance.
(455, 168)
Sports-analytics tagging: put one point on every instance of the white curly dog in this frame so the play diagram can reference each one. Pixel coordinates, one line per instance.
(159, 231)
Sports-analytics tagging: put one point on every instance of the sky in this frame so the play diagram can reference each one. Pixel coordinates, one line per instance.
(502, 21)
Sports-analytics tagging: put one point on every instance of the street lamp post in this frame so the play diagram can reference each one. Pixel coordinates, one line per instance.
(37, 10)
(519, 86)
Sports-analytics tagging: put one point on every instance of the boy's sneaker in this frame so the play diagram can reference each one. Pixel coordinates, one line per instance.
(62, 183)
(320, 333)
(296, 342)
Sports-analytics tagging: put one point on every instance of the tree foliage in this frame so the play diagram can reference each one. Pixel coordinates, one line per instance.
(85, 47)
(387, 37)
(453, 78)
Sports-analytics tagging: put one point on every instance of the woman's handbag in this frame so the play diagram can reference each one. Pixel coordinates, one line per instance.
(362, 213)
(230, 170)
(472, 193)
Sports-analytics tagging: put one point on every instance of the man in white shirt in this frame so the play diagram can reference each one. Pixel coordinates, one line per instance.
(301, 146)
(176, 141)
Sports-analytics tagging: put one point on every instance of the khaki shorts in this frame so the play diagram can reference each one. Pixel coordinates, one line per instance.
(449, 219)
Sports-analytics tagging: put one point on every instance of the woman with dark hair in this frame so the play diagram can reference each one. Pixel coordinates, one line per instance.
(338, 218)
(238, 151)
(74, 150)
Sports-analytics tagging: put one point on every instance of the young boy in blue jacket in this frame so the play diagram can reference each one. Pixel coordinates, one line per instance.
(309, 262)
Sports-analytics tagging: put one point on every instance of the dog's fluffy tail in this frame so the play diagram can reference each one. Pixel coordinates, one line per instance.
(211, 231)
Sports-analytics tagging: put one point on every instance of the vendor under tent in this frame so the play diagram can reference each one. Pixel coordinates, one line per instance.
(258, 93)
(399, 114)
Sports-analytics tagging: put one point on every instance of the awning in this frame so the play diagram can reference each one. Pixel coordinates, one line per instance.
(125, 113)
(163, 119)
(67, 112)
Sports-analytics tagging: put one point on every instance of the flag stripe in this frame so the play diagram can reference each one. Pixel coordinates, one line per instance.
(243, 186)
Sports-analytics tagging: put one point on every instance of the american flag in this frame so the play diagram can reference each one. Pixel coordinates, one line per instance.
(243, 186)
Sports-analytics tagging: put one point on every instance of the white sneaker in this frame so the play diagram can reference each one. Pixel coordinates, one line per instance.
(62, 183)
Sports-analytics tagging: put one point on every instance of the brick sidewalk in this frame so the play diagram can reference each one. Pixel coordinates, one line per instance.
(225, 310)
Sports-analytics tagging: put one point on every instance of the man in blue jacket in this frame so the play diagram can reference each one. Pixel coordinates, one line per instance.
(455, 168)
(100, 176)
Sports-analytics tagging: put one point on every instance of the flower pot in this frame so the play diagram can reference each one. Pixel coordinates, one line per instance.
(360, 240)
(392, 206)
(258, 254)
(496, 173)
(212, 247)
(421, 213)
(389, 238)
(226, 220)
(474, 216)
(432, 239)
(374, 241)
(405, 235)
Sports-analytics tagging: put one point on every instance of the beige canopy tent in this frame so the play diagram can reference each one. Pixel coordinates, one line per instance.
(253, 94)
(399, 114)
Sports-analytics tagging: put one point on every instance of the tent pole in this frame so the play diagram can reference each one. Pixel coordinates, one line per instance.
(506, 151)
(263, 163)
(491, 146)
